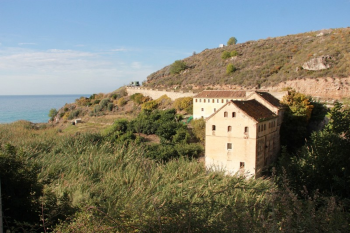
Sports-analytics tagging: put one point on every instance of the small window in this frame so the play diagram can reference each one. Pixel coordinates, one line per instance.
(217, 101)
(246, 130)
(259, 128)
(233, 114)
(214, 109)
(200, 100)
(202, 109)
(226, 101)
(222, 101)
(213, 127)
(212, 101)
(196, 100)
(264, 126)
(229, 128)
(204, 100)
(229, 146)
(225, 114)
(241, 164)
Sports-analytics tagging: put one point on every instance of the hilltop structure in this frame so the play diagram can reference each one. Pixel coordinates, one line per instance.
(243, 134)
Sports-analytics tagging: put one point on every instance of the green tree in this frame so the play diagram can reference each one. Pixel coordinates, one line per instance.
(323, 163)
(339, 120)
(177, 67)
(52, 113)
(298, 110)
(232, 41)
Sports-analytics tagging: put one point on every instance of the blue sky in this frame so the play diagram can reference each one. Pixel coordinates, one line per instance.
(93, 46)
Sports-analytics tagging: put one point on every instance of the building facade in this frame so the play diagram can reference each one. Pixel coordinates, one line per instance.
(208, 102)
(241, 137)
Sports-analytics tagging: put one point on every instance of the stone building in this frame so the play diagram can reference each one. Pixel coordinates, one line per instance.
(241, 136)
(208, 102)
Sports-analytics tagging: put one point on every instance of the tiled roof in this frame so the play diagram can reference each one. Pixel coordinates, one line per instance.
(254, 109)
(270, 98)
(221, 94)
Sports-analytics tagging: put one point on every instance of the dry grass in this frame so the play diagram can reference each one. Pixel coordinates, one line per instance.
(262, 62)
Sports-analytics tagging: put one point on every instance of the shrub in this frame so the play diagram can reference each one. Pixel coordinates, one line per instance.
(233, 53)
(183, 103)
(52, 113)
(104, 103)
(121, 102)
(138, 98)
(192, 150)
(97, 108)
(225, 55)
(110, 106)
(150, 105)
(97, 101)
(177, 67)
(230, 69)
(232, 41)
(74, 114)
(198, 130)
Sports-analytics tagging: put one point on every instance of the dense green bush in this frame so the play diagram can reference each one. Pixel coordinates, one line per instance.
(232, 41)
(73, 114)
(52, 113)
(230, 69)
(177, 67)
(104, 103)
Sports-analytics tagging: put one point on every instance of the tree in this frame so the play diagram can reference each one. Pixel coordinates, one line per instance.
(339, 120)
(177, 67)
(323, 163)
(232, 41)
(296, 118)
(52, 113)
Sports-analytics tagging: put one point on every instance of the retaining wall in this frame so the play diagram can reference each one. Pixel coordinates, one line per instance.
(155, 93)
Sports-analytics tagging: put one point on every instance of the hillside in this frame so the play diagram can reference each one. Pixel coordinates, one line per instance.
(269, 64)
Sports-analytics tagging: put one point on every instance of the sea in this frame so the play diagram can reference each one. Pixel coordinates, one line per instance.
(33, 108)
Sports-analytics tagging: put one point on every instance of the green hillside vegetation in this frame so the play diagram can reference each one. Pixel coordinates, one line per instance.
(261, 63)
(89, 182)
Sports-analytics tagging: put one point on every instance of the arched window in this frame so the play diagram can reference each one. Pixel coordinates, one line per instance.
(229, 128)
(225, 114)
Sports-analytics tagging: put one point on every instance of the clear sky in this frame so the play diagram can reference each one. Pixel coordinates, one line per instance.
(93, 46)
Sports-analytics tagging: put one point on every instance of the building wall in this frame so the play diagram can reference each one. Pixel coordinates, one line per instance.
(217, 156)
(256, 148)
(155, 93)
(204, 107)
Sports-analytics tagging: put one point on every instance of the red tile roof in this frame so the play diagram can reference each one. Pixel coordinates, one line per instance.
(254, 109)
(269, 98)
(222, 94)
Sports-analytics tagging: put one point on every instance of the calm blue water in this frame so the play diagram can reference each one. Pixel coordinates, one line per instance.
(34, 108)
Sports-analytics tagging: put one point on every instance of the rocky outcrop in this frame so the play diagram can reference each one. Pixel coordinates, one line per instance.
(318, 63)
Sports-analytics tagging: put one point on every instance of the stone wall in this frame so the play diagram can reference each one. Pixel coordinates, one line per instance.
(155, 93)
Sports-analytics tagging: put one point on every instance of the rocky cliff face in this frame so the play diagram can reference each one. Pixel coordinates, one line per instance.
(324, 88)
